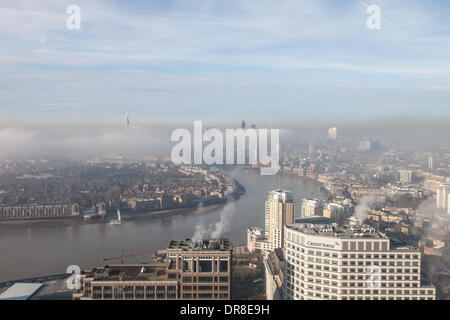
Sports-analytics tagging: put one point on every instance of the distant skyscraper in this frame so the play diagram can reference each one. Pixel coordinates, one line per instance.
(280, 211)
(365, 145)
(128, 119)
(442, 197)
(243, 124)
(253, 126)
(432, 162)
(332, 133)
(448, 203)
(311, 148)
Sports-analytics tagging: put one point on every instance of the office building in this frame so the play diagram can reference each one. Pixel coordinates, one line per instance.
(332, 133)
(432, 163)
(442, 196)
(366, 146)
(405, 176)
(335, 212)
(274, 276)
(312, 207)
(332, 262)
(189, 270)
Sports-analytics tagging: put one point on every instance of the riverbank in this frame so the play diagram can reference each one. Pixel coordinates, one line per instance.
(180, 211)
(70, 221)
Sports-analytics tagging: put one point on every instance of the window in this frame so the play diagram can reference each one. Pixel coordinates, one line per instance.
(187, 265)
(205, 279)
(107, 292)
(160, 292)
(97, 292)
(118, 293)
(223, 266)
(205, 266)
(129, 292)
(150, 292)
(87, 288)
(139, 292)
(171, 292)
(205, 288)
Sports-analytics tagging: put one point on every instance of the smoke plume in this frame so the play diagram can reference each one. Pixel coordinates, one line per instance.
(365, 204)
(218, 229)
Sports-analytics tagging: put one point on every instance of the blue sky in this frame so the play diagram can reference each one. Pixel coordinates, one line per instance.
(260, 60)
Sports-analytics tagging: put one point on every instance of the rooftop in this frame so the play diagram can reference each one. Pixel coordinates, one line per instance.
(129, 272)
(202, 245)
(339, 231)
(313, 220)
(20, 291)
(281, 195)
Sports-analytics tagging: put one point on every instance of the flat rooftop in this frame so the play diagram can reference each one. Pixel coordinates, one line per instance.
(339, 231)
(20, 291)
(313, 220)
(129, 272)
(202, 245)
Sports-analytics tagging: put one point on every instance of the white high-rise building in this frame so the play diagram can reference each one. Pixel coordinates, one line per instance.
(279, 211)
(432, 162)
(442, 196)
(332, 133)
(331, 262)
(448, 204)
(405, 176)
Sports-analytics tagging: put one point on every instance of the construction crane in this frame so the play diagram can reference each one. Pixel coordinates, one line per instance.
(123, 255)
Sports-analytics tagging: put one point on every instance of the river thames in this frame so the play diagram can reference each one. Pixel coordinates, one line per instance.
(43, 250)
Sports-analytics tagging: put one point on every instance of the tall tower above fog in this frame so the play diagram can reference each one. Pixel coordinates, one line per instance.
(279, 211)
(332, 133)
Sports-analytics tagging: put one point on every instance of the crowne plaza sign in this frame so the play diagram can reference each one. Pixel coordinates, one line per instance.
(322, 243)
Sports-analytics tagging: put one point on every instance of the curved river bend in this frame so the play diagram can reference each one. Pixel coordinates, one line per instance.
(38, 251)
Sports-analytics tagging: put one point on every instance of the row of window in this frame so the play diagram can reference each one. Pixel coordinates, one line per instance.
(368, 282)
(205, 279)
(132, 292)
(413, 295)
(292, 257)
(354, 256)
(303, 268)
(205, 288)
(205, 296)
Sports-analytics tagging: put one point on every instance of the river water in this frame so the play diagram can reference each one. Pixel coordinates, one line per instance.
(37, 251)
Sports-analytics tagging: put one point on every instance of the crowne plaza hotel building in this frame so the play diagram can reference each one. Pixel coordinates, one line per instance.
(334, 262)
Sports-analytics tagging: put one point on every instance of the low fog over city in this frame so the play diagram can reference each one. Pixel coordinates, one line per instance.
(251, 150)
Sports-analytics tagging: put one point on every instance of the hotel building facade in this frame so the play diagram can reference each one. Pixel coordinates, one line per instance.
(334, 262)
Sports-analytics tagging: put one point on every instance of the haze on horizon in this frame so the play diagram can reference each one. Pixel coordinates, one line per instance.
(173, 61)
(83, 140)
